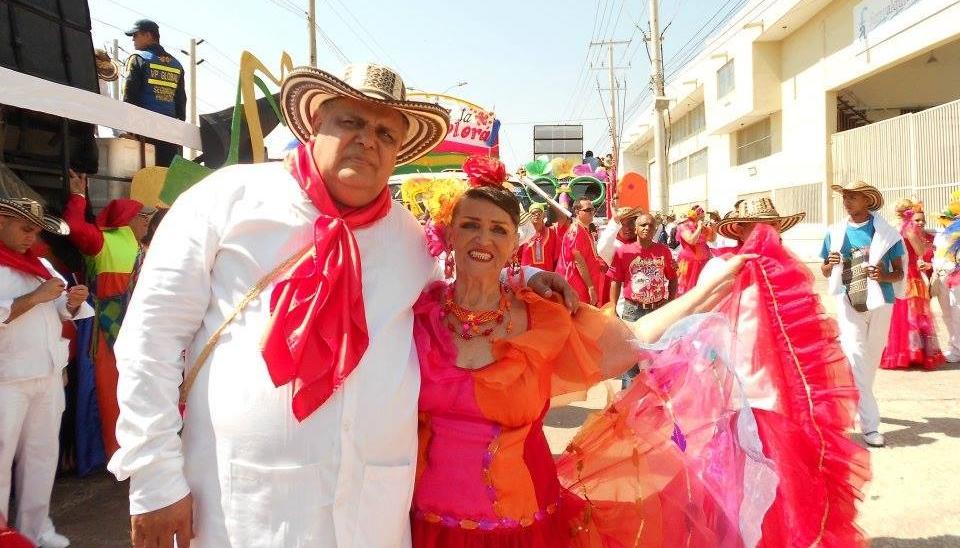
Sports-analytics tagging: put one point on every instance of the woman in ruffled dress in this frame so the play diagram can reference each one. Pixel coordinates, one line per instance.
(677, 459)
(694, 235)
(797, 381)
(672, 462)
(913, 336)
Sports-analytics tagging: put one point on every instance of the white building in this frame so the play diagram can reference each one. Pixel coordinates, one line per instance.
(791, 96)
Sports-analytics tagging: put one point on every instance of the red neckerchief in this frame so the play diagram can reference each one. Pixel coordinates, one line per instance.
(28, 263)
(318, 327)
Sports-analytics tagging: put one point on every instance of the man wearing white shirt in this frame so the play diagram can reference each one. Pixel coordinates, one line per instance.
(948, 297)
(33, 304)
(300, 426)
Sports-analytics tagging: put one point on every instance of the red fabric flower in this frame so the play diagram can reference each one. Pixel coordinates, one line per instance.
(485, 171)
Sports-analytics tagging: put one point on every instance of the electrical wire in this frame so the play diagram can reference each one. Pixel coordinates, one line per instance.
(349, 27)
(373, 38)
(568, 105)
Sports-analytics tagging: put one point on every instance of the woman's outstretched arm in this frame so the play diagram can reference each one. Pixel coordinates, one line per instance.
(617, 340)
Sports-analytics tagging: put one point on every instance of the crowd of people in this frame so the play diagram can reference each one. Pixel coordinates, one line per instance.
(291, 363)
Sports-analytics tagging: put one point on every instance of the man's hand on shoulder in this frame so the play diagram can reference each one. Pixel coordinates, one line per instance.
(544, 283)
(160, 527)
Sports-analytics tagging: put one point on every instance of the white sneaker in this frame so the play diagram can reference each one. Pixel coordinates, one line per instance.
(874, 439)
(52, 539)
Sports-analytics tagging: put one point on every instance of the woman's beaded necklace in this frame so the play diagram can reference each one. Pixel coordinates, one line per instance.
(468, 324)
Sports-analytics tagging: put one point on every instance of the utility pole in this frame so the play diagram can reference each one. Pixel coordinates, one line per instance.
(614, 137)
(312, 30)
(116, 59)
(192, 113)
(660, 103)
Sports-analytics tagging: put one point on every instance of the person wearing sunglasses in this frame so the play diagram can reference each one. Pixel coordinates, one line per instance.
(579, 263)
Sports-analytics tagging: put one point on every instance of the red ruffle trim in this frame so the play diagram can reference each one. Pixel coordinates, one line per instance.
(10, 538)
(821, 470)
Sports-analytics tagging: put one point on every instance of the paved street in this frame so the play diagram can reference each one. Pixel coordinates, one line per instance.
(912, 502)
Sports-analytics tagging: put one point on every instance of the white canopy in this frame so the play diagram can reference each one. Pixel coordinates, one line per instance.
(32, 93)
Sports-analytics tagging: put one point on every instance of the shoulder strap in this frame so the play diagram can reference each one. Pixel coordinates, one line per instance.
(252, 294)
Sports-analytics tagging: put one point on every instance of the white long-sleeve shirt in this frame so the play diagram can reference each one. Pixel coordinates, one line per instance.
(342, 477)
(32, 345)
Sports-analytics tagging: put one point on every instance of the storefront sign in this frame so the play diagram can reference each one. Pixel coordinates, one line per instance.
(877, 20)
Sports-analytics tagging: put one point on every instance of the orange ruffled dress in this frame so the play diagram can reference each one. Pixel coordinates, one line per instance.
(643, 470)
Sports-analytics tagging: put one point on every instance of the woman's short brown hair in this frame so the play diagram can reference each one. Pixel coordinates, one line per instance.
(496, 195)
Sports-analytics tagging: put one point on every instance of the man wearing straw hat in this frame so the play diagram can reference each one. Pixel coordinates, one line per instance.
(33, 304)
(863, 258)
(290, 286)
(945, 271)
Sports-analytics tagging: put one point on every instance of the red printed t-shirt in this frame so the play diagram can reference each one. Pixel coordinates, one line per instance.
(645, 272)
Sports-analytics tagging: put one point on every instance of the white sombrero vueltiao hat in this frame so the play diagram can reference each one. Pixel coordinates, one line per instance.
(32, 212)
(306, 88)
(756, 210)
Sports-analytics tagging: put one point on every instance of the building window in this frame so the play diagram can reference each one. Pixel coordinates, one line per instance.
(801, 198)
(698, 119)
(725, 80)
(753, 142)
(688, 167)
(679, 170)
(698, 163)
(688, 125)
(680, 129)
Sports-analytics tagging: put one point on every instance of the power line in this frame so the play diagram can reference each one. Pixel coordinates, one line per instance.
(289, 6)
(165, 25)
(351, 29)
(698, 40)
(585, 94)
(331, 45)
(568, 105)
(550, 122)
(581, 92)
(689, 49)
(372, 37)
(102, 22)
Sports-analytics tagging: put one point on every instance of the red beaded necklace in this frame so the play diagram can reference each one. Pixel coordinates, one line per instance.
(468, 322)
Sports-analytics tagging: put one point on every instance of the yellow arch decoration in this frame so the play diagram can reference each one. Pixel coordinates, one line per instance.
(249, 64)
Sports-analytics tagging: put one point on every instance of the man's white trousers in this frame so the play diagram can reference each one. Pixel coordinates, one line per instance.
(863, 337)
(949, 300)
(30, 413)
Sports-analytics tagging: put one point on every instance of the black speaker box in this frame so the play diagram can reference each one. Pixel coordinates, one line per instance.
(49, 39)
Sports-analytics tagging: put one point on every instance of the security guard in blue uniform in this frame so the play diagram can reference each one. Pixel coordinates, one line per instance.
(155, 82)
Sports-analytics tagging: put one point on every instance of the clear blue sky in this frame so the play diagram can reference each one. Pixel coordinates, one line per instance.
(527, 59)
